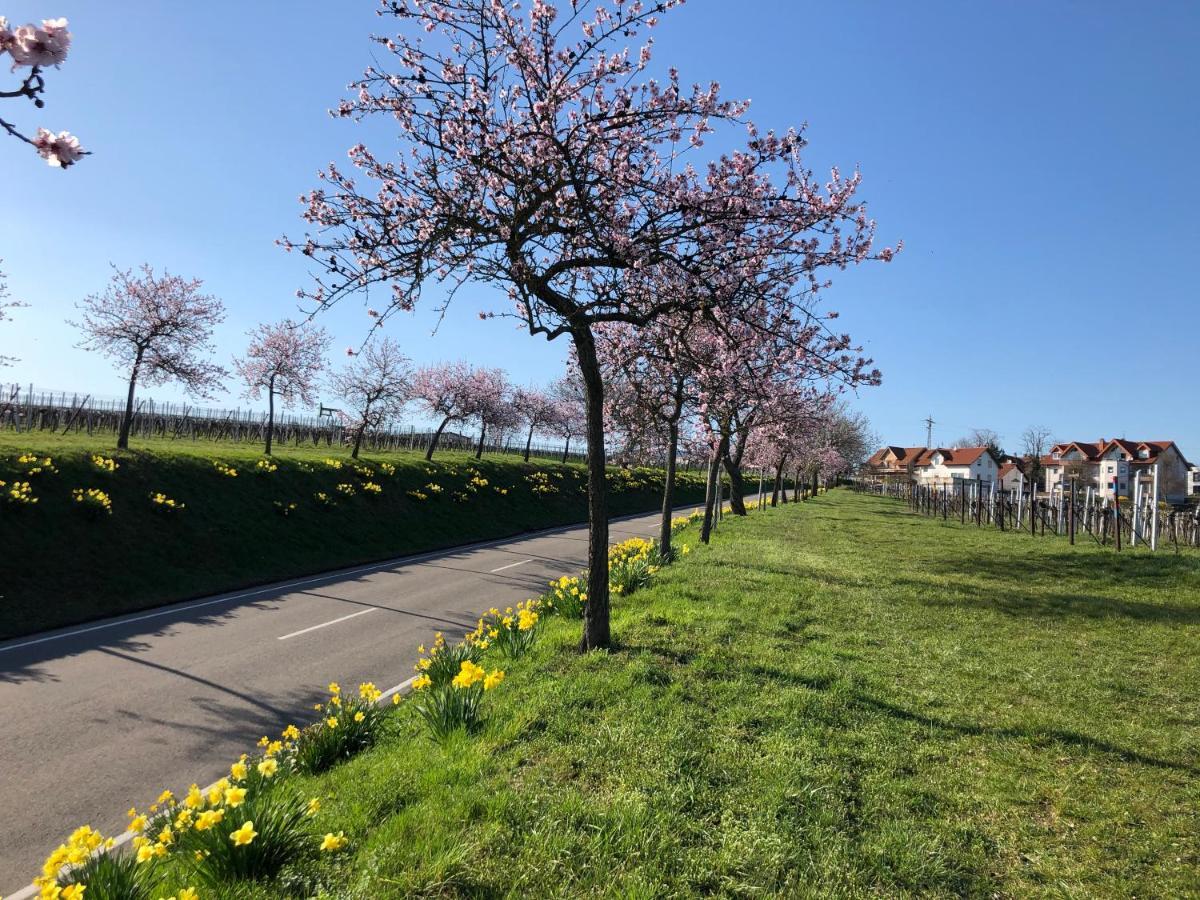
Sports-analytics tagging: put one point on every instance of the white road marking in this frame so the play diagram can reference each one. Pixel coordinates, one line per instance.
(361, 612)
(511, 566)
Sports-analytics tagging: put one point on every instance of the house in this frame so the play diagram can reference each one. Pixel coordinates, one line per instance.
(893, 463)
(1012, 475)
(1111, 467)
(940, 466)
(1194, 481)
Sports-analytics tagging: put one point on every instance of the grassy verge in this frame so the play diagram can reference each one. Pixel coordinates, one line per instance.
(65, 562)
(836, 699)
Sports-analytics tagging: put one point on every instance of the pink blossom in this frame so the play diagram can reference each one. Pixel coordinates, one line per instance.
(45, 46)
(59, 150)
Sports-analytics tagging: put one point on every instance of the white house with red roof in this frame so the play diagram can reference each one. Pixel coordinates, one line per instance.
(939, 466)
(1112, 466)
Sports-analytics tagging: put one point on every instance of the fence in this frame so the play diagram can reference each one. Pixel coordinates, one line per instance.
(1075, 514)
(25, 409)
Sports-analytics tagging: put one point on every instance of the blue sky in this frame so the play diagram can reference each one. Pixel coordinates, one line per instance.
(1038, 160)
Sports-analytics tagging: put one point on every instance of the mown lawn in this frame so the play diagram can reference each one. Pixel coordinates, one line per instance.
(836, 699)
(62, 566)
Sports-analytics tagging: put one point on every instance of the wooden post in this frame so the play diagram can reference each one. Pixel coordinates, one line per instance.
(1071, 515)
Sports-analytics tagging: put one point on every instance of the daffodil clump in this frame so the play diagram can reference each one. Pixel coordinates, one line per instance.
(681, 522)
(540, 483)
(19, 493)
(227, 471)
(346, 725)
(105, 463)
(265, 467)
(37, 465)
(246, 826)
(476, 482)
(419, 496)
(92, 500)
(332, 463)
(372, 488)
(346, 488)
(387, 469)
(567, 596)
(166, 504)
(511, 632)
(283, 508)
(631, 565)
(433, 488)
(362, 471)
(324, 499)
(86, 858)
(447, 708)
(438, 665)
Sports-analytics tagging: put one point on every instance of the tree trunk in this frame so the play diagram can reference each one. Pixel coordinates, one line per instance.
(479, 448)
(358, 436)
(664, 530)
(596, 630)
(737, 490)
(529, 443)
(815, 482)
(710, 490)
(778, 485)
(566, 447)
(796, 487)
(270, 412)
(437, 436)
(127, 419)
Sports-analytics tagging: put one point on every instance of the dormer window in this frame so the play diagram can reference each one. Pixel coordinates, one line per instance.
(937, 459)
(1056, 455)
(1144, 453)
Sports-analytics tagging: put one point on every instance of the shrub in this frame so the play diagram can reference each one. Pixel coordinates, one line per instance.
(449, 707)
(347, 726)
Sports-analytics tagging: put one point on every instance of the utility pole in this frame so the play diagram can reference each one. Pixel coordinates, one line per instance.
(929, 423)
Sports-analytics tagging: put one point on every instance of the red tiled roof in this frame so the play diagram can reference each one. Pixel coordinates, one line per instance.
(960, 456)
(1092, 452)
(1009, 467)
(904, 455)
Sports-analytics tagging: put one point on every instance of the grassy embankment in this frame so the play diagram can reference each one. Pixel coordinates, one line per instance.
(836, 699)
(63, 564)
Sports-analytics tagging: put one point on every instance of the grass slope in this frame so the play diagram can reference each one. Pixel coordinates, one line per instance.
(837, 699)
(62, 566)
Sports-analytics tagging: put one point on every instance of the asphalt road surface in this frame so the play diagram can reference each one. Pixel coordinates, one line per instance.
(103, 716)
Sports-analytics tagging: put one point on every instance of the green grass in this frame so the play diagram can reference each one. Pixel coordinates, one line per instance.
(62, 566)
(836, 699)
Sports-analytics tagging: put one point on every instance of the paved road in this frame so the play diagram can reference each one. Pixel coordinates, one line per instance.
(106, 715)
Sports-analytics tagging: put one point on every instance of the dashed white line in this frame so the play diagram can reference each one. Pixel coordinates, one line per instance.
(511, 566)
(361, 612)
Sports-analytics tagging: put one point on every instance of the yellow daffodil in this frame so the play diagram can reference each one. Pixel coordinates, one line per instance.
(332, 722)
(194, 799)
(291, 732)
(334, 842)
(235, 796)
(238, 771)
(166, 797)
(244, 835)
(421, 682)
(209, 818)
(268, 767)
(314, 806)
(492, 679)
(145, 853)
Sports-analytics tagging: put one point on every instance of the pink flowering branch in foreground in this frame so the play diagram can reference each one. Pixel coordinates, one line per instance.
(36, 48)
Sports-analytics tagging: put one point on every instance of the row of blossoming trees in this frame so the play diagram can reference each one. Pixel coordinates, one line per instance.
(159, 328)
(537, 153)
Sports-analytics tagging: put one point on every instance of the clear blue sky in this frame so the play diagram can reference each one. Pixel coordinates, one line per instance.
(1038, 159)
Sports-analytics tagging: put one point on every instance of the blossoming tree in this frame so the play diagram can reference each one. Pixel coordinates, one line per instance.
(284, 359)
(35, 48)
(533, 158)
(376, 385)
(537, 410)
(159, 327)
(570, 418)
(447, 391)
(489, 398)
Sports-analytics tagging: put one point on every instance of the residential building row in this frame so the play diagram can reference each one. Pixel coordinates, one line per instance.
(1108, 467)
